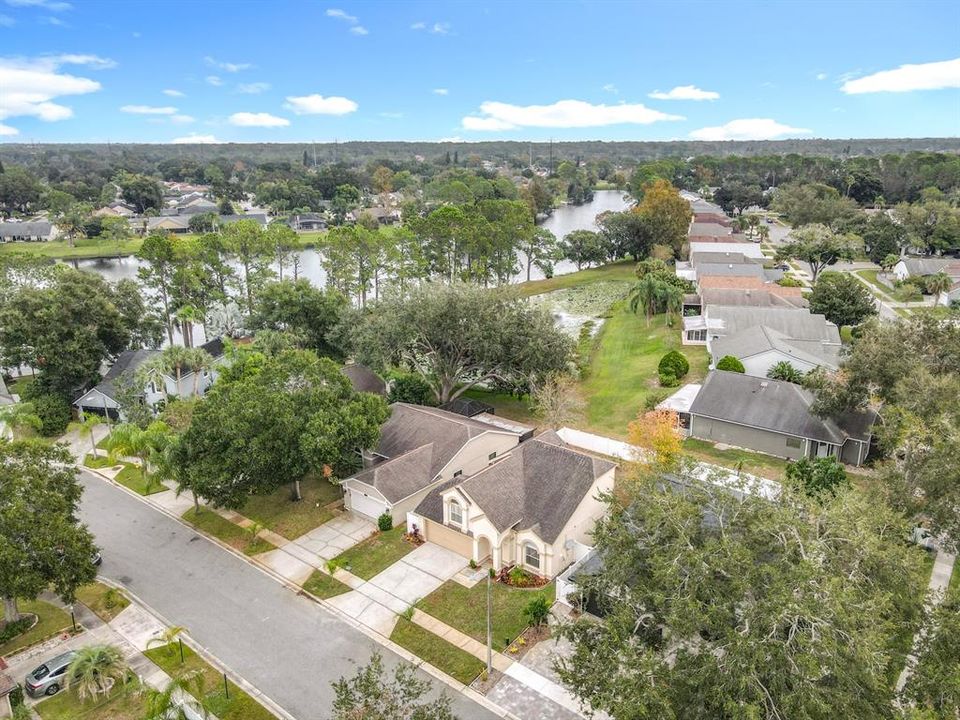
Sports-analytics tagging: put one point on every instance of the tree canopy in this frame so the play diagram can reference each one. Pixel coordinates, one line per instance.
(842, 299)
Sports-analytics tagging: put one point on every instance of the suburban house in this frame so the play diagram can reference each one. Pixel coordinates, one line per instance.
(116, 209)
(535, 507)
(707, 230)
(384, 216)
(103, 398)
(181, 223)
(39, 231)
(421, 447)
(721, 321)
(307, 221)
(363, 379)
(921, 266)
(728, 244)
(774, 417)
(725, 264)
(759, 348)
(766, 295)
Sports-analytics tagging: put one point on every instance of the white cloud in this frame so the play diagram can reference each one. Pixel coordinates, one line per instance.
(562, 114)
(821, 76)
(182, 119)
(94, 62)
(925, 76)
(611, 88)
(391, 115)
(148, 110)
(51, 20)
(172, 93)
(52, 5)
(441, 91)
(359, 30)
(748, 129)
(31, 85)
(339, 14)
(454, 139)
(319, 105)
(254, 88)
(7, 130)
(193, 138)
(227, 66)
(214, 80)
(685, 92)
(437, 28)
(261, 119)
(7, 21)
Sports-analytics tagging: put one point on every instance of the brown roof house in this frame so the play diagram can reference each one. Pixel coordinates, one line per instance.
(533, 507)
(420, 448)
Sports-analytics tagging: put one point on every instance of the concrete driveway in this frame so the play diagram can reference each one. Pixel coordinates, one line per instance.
(377, 602)
(331, 538)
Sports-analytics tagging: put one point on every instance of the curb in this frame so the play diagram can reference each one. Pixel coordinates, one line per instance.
(372, 634)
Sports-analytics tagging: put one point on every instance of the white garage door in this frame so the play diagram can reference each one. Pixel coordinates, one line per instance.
(366, 505)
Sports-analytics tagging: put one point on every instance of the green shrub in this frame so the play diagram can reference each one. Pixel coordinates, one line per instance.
(385, 522)
(789, 281)
(674, 363)
(410, 388)
(16, 697)
(17, 627)
(655, 398)
(54, 413)
(668, 380)
(537, 610)
(731, 364)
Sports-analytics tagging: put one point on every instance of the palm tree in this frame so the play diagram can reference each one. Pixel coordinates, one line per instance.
(95, 669)
(154, 371)
(937, 285)
(21, 418)
(764, 232)
(90, 421)
(645, 295)
(888, 262)
(176, 358)
(673, 300)
(147, 445)
(783, 370)
(184, 698)
(198, 360)
(167, 637)
(188, 315)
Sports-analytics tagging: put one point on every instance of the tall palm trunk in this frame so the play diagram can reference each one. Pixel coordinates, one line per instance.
(296, 490)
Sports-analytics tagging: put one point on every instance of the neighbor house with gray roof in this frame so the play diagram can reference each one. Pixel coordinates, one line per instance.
(533, 507)
(419, 448)
(774, 417)
(39, 231)
(719, 321)
(759, 348)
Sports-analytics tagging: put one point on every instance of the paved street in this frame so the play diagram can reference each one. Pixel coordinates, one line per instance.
(287, 646)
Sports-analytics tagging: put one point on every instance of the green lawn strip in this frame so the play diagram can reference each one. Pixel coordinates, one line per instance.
(120, 704)
(19, 385)
(506, 405)
(51, 621)
(455, 662)
(466, 609)
(232, 534)
(375, 554)
(324, 586)
(99, 462)
(291, 519)
(622, 372)
(623, 270)
(953, 589)
(132, 477)
(105, 601)
(902, 639)
(750, 462)
(238, 706)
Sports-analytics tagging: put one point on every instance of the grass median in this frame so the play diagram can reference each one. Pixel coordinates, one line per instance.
(457, 663)
(230, 533)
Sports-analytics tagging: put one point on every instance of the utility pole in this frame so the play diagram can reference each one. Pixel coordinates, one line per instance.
(489, 624)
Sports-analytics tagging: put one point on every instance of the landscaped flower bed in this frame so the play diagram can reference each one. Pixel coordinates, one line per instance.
(516, 576)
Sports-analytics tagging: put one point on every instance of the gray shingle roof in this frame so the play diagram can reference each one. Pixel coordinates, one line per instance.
(363, 379)
(128, 360)
(774, 405)
(793, 322)
(403, 475)
(538, 485)
(730, 269)
(25, 229)
(698, 258)
(759, 339)
(749, 298)
(714, 229)
(925, 266)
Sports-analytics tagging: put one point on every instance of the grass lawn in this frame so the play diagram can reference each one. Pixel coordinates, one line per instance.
(278, 512)
(105, 601)
(99, 462)
(132, 477)
(466, 609)
(457, 663)
(900, 294)
(750, 462)
(19, 385)
(239, 705)
(624, 270)
(230, 533)
(324, 586)
(623, 368)
(119, 705)
(52, 620)
(374, 554)
(506, 405)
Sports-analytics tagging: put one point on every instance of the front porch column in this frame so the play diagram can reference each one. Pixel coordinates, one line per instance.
(495, 557)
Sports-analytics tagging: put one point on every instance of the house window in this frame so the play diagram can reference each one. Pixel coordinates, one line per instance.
(697, 335)
(531, 556)
(456, 513)
(458, 473)
(491, 456)
(794, 443)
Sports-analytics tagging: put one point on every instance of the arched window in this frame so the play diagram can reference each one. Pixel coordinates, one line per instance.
(531, 556)
(456, 513)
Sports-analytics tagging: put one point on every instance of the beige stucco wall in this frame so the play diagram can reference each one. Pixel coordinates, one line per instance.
(447, 537)
(474, 455)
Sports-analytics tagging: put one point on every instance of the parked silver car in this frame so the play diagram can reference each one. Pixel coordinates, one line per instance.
(51, 677)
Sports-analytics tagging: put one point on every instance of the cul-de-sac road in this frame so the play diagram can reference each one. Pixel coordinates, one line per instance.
(287, 646)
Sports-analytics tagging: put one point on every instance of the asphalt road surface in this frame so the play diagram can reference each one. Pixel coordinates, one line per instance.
(287, 646)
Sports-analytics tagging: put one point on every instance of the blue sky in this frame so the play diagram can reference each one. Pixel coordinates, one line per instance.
(138, 71)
